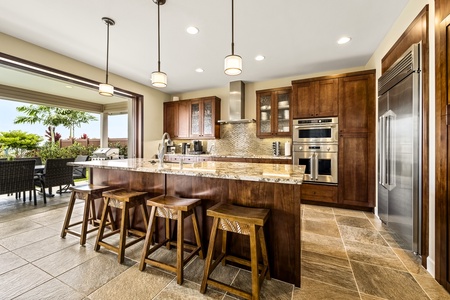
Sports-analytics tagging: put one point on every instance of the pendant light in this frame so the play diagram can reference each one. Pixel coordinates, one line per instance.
(106, 89)
(233, 63)
(159, 79)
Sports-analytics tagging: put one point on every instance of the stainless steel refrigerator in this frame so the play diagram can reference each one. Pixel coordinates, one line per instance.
(399, 149)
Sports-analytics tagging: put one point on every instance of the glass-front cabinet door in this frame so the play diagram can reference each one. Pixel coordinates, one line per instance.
(283, 102)
(196, 119)
(273, 112)
(208, 120)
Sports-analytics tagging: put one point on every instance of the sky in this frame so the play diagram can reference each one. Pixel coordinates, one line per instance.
(117, 124)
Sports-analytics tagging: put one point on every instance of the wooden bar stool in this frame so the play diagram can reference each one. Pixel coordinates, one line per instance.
(175, 208)
(242, 220)
(124, 200)
(87, 193)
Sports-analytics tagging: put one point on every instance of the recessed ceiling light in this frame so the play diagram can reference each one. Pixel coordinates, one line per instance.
(259, 57)
(344, 40)
(68, 86)
(192, 30)
(199, 70)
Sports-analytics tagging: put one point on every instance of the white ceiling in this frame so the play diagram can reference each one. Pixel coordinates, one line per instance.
(296, 36)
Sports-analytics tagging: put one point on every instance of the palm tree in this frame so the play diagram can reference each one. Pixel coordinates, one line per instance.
(52, 117)
(39, 114)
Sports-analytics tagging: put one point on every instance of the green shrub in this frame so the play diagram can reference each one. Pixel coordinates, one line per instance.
(53, 150)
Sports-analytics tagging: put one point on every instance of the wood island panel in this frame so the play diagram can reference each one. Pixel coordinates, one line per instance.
(282, 229)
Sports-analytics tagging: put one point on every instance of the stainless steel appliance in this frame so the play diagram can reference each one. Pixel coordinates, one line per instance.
(315, 130)
(105, 153)
(321, 161)
(185, 148)
(198, 147)
(399, 148)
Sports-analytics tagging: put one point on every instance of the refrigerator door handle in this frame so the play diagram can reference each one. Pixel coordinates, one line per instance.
(382, 149)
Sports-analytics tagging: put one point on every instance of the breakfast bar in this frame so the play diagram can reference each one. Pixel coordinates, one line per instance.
(273, 186)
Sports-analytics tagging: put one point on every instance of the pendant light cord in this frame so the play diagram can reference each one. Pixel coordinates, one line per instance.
(232, 27)
(107, 51)
(159, 42)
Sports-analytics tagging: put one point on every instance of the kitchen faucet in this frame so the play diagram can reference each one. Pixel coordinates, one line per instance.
(162, 149)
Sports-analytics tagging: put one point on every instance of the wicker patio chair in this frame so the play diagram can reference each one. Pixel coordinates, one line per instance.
(17, 176)
(56, 173)
(80, 172)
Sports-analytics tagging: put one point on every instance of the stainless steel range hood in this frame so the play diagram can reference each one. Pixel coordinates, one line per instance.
(236, 104)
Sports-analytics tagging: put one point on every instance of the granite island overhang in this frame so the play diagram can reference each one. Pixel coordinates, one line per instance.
(273, 186)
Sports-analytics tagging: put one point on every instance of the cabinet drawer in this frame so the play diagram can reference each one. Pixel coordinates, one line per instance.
(321, 193)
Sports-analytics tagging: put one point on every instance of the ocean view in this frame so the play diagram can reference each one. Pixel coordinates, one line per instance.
(117, 123)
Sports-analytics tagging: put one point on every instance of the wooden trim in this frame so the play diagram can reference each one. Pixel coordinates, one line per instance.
(442, 196)
(340, 75)
(417, 32)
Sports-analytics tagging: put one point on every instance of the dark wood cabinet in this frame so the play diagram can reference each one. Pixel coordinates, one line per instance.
(320, 193)
(205, 112)
(273, 112)
(176, 119)
(351, 97)
(357, 148)
(315, 98)
(193, 119)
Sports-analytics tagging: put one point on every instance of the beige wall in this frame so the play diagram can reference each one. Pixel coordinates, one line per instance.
(153, 99)
(408, 15)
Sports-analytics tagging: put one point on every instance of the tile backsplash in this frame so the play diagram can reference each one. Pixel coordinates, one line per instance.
(240, 140)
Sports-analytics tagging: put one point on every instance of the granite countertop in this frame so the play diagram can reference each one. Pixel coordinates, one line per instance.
(232, 156)
(287, 174)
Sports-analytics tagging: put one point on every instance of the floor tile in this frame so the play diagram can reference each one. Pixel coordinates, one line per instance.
(354, 222)
(386, 282)
(65, 259)
(134, 285)
(312, 289)
(331, 274)
(10, 261)
(17, 226)
(323, 227)
(94, 273)
(318, 208)
(270, 289)
(362, 235)
(314, 257)
(323, 244)
(53, 289)
(373, 254)
(412, 262)
(21, 280)
(3, 250)
(25, 238)
(194, 272)
(311, 214)
(45, 247)
(189, 290)
(432, 288)
(349, 212)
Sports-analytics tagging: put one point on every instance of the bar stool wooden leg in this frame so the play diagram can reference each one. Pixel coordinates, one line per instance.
(68, 215)
(180, 246)
(101, 229)
(197, 234)
(168, 246)
(224, 246)
(124, 225)
(84, 225)
(148, 238)
(254, 262)
(262, 243)
(209, 255)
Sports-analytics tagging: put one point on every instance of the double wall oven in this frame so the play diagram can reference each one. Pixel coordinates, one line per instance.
(315, 145)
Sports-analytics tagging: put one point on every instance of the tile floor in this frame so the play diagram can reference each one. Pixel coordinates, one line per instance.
(345, 255)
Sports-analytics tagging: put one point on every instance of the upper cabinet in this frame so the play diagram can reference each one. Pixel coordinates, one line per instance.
(205, 112)
(315, 98)
(273, 112)
(193, 119)
(176, 119)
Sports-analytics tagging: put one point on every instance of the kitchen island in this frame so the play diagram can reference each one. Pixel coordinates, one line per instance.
(273, 186)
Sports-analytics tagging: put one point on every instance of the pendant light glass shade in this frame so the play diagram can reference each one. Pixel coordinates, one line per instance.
(105, 89)
(159, 79)
(233, 65)
(233, 62)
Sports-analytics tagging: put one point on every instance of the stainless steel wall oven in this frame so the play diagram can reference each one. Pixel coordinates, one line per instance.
(315, 145)
(315, 130)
